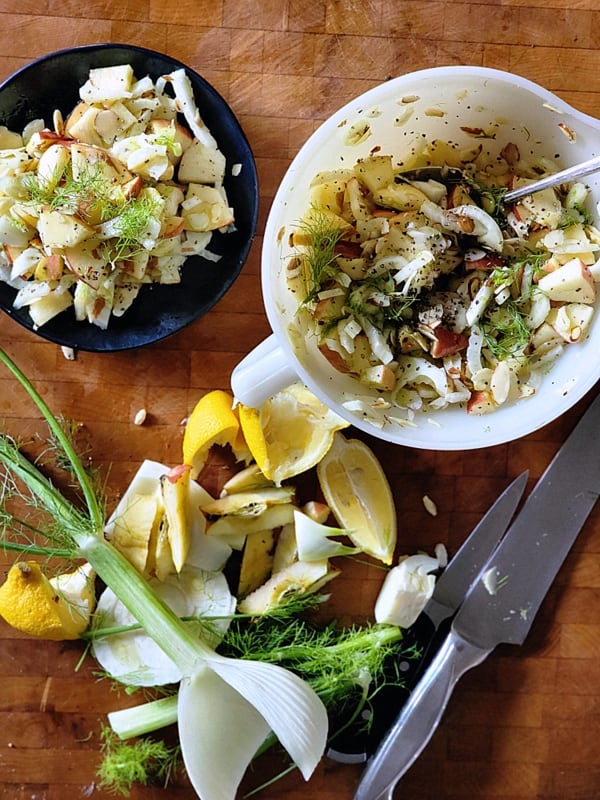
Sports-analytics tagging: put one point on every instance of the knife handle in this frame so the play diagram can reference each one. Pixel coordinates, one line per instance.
(419, 718)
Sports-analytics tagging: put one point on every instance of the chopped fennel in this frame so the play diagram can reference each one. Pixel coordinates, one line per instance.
(406, 589)
(314, 540)
(115, 197)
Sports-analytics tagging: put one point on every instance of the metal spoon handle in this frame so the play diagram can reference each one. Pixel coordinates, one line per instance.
(569, 174)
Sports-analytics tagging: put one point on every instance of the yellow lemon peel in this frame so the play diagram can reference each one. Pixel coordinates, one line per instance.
(212, 422)
(290, 432)
(33, 604)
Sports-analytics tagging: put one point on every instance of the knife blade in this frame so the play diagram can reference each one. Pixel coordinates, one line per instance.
(501, 609)
(354, 746)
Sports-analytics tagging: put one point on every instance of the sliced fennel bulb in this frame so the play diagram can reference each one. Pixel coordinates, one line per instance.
(227, 709)
(313, 539)
(133, 657)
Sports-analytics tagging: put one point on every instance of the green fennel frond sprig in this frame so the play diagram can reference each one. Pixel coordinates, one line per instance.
(87, 195)
(131, 229)
(319, 254)
(144, 761)
(505, 331)
(331, 660)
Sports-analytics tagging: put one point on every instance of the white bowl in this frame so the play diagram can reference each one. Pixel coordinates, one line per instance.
(526, 114)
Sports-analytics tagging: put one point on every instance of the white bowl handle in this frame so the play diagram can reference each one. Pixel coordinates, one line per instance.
(261, 374)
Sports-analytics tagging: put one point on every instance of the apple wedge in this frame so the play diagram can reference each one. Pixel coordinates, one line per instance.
(205, 209)
(59, 230)
(571, 283)
(84, 261)
(201, 164)
(108, 83)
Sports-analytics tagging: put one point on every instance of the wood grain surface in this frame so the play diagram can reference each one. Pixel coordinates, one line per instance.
(525, 724)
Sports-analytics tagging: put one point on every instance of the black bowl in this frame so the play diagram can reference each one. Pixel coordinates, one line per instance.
(53, 82)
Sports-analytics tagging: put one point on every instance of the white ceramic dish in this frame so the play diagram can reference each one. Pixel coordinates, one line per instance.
(524, 113)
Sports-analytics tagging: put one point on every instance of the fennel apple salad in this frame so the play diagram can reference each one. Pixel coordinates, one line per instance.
(116, 196)
(432, 293)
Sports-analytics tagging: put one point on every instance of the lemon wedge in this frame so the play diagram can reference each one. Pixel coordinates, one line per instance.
(290, 432)
(359, 495)
(212, 422)
(30, 603)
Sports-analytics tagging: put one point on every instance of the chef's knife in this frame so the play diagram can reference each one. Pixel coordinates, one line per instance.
(500, 608)
(450, 589)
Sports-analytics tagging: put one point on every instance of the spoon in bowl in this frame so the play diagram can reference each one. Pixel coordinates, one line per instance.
(455, 175)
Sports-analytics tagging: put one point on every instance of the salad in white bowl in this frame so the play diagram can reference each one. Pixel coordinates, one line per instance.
(431, 292)
(404, 305)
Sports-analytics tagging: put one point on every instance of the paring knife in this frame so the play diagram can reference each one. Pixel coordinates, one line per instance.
(502, 608)
(450, 589)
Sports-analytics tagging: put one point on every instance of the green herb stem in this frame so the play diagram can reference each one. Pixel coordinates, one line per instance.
(93, 506)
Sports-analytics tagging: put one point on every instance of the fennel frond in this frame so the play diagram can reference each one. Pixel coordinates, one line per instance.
(319, 254)
(144, 761)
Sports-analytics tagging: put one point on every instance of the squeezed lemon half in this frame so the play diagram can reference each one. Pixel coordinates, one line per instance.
(290, 432)
(212, 422)
(359, 495)
(31, 603)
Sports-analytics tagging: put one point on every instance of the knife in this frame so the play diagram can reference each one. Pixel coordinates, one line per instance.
(501, 608)
(354, 746)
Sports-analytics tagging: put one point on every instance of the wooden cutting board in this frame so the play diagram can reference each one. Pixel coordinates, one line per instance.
(526, 724)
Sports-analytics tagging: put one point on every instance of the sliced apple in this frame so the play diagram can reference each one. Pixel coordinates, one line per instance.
(108, 83)
(571, 321)
(172, 226)
(113, 122)
(49, 267)
(329, 194)
(52, 165)
(181, 135)
(201, 164)
(543, 207)
(46, 308)
(60, 230)
(82, 126)
(480, 402)
(84, 261)
(205, 209)
(376, 172)
(571, 283)
(87, 158)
